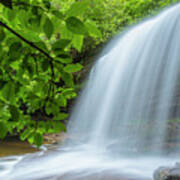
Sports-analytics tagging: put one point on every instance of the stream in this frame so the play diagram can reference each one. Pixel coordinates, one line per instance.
(86, 163)
(11, 152)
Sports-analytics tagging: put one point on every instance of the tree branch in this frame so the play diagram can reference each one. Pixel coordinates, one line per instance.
(30, 44)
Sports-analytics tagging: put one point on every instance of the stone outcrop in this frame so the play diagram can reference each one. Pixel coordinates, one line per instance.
(168, 173)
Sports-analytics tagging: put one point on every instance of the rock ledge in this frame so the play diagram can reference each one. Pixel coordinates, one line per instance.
(168, 173)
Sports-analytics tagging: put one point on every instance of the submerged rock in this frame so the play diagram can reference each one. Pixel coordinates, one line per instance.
(168, 173)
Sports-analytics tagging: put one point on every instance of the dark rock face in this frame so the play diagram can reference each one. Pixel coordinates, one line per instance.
(168, 173)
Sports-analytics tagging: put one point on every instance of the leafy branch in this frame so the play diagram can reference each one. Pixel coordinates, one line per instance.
(35, 85)
(32, 45)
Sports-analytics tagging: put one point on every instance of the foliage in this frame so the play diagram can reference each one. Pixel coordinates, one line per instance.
(115, 15)
(112, 17)
(37, 68)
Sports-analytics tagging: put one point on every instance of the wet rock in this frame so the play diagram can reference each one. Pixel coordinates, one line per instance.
(168, 173)
(55, 138)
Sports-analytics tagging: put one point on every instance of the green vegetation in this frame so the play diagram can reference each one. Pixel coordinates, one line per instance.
(43, 44)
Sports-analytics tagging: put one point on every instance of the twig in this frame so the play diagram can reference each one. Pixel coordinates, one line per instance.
(32, 45)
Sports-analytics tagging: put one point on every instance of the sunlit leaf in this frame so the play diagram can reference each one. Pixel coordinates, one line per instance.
(38, 139)
(64, 60)
(77, 42)
(60, 116)
(78, 8)
(70, 68)
(26, 134)
(76, 26)
(92, 29)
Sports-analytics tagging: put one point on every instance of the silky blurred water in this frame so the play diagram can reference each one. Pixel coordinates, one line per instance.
(121, 121)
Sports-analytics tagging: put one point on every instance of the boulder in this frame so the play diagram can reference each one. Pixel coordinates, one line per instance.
(168, 173)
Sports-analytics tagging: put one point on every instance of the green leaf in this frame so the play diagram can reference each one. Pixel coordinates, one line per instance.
(66, 33)
(58, 127)
(3, 130)
(70, 68)
(92, 29)
(48, 125)
(14, 113)
(30, 35)
(45, 65)
(34, 23)
(11, 14)
(26, 134)
(8, 92)
(61, 100)
(77, 42)
(58, 14)
(60, 44)
(64, 60)
(31, 138)
(41, 45)
(51, 108)
(15, 50)
(68, 79)
(60, 117)
(7, 3)
(78, 8)
(69, 93)
(76, 26)
(2, 34)
(48, 28)
(38, 139)
(48, 108)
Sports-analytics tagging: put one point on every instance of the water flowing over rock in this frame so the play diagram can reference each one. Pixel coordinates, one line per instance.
(132, 90)
(124, 118)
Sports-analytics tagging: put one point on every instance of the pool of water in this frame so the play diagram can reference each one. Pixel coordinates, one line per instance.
(11, 152)
(15, 147)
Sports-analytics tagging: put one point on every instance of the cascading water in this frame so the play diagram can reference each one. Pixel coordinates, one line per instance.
(121, 123)
(128, 100)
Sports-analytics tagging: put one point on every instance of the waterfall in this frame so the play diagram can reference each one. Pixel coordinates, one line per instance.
(131, 89)
(122, 120)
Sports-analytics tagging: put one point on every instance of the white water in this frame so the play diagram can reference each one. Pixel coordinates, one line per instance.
(120, 123)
